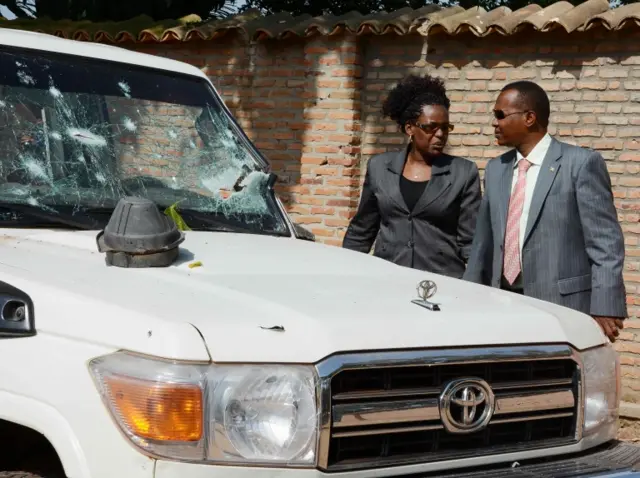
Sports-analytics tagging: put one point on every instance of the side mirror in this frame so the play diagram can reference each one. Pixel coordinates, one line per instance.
(273, 178)
(299, 231)
(17, 317)
(303, 233)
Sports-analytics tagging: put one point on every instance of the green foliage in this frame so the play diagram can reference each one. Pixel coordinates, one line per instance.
(335, 7)
(118, 10)
(339, 7)
(122, 10)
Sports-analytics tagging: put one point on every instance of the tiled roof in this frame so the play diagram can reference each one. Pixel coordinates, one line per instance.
(427, 20)
(560, 15)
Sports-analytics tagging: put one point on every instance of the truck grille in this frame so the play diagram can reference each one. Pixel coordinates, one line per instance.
(380, 413)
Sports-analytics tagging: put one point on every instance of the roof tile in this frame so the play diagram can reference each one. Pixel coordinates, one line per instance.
(616, 19)
(427, 20)
(558, 15)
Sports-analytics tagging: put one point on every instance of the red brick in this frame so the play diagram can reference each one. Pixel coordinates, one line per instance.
(479, 75)
(322, 232)
(347, 72)
(476, 140)
(326, 83)
(337, 222)
(311, 201)
(341, 138)
(342, 182)
(307, 159)
(317, 115)
(480, 97)
(297, 209)
(326, 191)
(592, 85)
(329, 61)
(566, 119)
(619, 97)
(339, 202)
(587, 132)
(325, 171)
(521, 74)
(348, 161)
(346, 115)
(308, 220)
(613, 120)
(330, 105)
(315, 50)
(327, 149)
(327, 211)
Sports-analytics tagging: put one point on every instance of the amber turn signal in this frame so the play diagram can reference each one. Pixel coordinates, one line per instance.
(157, 411)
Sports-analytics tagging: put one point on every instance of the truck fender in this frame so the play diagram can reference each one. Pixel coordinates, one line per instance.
(47, 421)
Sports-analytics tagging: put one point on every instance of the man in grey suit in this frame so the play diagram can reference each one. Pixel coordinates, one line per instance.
(547, 225)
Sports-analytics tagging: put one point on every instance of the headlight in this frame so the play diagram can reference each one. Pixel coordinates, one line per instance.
(215, 413)
(601, 375)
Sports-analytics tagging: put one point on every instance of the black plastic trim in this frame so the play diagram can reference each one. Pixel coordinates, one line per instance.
(12, 324)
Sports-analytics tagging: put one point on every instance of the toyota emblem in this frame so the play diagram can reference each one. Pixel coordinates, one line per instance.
(466, 405)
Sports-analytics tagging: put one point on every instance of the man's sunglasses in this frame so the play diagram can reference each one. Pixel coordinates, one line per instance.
(500, 115)
(431, 128)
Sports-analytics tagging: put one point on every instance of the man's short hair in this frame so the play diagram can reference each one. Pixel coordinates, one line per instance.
(534, 98)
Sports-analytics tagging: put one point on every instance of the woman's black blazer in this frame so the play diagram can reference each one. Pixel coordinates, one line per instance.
(436, 236)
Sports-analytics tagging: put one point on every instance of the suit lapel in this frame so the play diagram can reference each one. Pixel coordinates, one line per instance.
(506, 180)
(395, 165)
(548, 172)
(440, 181)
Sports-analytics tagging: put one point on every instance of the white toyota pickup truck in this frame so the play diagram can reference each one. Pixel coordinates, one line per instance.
(221, 341)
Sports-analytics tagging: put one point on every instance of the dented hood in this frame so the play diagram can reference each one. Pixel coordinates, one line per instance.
(265, 299)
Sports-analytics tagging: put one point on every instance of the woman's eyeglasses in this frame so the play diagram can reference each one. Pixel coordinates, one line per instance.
(431, 128)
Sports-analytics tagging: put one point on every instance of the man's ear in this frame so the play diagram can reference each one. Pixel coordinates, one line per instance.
(530, 119)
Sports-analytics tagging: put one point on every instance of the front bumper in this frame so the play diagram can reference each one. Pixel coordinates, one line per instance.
(613, 460)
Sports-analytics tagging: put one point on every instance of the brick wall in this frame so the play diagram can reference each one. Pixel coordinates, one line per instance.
(312, 107)
(153, 138)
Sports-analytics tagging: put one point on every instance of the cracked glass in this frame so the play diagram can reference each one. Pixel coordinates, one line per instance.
(78, 134)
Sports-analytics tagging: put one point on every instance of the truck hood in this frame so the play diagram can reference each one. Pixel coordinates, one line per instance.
(265, 299)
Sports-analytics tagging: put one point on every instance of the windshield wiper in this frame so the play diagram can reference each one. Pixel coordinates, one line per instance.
(45, 217)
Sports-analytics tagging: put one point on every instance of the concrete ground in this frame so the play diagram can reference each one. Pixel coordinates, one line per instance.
(629, 430)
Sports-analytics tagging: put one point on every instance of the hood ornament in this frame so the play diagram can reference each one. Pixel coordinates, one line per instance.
(426, 289)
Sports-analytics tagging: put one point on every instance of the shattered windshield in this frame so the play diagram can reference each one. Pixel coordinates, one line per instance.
(77, 134)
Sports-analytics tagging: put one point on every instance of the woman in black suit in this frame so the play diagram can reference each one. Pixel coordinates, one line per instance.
(419, 204)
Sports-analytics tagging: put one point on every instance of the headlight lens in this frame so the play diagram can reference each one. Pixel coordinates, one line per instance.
(215, 413)
(263, 414)
(602, 388)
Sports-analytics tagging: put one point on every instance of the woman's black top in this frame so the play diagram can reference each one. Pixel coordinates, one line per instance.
(411, 191)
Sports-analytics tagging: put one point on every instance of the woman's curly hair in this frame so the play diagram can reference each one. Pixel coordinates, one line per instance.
(406, 99)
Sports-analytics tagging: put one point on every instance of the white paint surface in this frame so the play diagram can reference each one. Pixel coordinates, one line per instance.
(328, 300)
